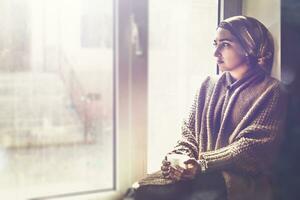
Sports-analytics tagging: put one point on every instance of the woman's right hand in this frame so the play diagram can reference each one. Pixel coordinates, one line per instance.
(171, 172)
(166, 167)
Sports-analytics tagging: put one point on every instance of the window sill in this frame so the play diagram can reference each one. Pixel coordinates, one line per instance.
(107, 195)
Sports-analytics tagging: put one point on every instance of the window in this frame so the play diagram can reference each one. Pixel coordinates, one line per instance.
(57, 111)
(180, 57)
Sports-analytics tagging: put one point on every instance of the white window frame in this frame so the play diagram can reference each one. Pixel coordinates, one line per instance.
(130, 96)
(230, 8)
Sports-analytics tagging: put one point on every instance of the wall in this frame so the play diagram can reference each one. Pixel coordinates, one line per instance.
(289, 162)
(261, 10)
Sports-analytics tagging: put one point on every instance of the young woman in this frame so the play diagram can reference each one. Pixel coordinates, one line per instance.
(231, 137)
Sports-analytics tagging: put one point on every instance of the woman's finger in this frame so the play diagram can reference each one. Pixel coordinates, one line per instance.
(175, 175)
(165, 162)
(176, 172)
(165, 171)
(165, 168)
(190, 172)
(179, 169)
(165, 174)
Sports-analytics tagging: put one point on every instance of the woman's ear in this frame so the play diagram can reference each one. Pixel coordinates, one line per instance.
(247, 57)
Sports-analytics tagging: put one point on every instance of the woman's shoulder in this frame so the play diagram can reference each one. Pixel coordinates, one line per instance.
(274, 84)
(208, 84)
(212, 79)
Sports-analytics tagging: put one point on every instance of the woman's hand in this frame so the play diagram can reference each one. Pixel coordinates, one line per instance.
(165, 168)
(191, 168)
(179, 167)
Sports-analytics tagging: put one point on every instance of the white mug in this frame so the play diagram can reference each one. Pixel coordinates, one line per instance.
(177, 159)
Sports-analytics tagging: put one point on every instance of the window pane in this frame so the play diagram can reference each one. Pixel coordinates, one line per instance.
(56, 83)
(180, 57)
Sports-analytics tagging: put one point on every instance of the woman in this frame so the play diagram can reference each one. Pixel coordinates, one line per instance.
(231, 137)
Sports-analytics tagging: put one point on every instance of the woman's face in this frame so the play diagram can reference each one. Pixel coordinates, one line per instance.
(228, 52)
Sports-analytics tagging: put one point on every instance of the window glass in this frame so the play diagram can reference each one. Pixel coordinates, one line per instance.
(181, 34)
(56, 99)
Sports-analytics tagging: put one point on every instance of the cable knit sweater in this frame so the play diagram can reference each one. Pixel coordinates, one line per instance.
(236, 126)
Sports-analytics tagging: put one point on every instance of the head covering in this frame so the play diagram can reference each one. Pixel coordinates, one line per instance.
(254, 37)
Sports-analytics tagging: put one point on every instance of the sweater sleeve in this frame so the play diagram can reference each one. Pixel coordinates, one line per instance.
(254, 147)
(189, 142)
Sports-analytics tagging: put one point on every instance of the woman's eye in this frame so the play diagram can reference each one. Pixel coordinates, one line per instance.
(221, 45)
(225, 44)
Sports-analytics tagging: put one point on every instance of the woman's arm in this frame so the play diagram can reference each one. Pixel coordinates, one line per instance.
(188, 144)
(254, 147)
(187, 148)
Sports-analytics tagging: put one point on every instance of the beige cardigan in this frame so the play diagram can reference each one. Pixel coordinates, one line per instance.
(236, 127)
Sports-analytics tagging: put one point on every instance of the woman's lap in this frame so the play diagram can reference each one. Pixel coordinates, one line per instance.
(165, 192)
(210, 186)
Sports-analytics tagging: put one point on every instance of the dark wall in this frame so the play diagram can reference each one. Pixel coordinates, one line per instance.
(289, 163)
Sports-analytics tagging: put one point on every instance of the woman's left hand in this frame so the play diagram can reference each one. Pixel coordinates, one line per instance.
(191, 168)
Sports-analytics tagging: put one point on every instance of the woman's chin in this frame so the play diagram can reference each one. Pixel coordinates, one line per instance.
(222, 67)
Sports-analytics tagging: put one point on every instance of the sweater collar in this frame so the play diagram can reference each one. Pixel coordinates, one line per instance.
(231, 83)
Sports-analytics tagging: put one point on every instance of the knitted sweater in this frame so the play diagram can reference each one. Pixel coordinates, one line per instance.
(236, 126)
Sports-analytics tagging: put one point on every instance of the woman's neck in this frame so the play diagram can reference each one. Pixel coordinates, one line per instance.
(239, 72)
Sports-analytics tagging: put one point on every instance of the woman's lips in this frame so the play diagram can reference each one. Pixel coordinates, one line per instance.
(220, 61)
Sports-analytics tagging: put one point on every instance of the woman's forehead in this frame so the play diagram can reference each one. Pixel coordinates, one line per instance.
(223, 34)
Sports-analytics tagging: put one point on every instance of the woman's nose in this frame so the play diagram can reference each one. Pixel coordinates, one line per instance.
(217, 52)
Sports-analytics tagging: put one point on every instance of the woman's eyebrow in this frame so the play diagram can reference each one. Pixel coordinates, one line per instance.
(222, 40)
